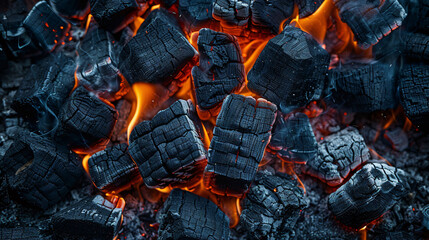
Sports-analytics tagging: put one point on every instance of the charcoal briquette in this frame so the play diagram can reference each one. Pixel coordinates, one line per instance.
(270, 14)
(232, 12)
(196, 14)
(307, 7)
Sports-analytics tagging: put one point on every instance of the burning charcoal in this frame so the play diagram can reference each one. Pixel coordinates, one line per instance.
(221, 71)
(97, 218)
(159, 51)
(368, 194)
(45, 26)
(425, 212)
(307, 7)
(364, 88)
(396, 138)
(112, 168)
(293, 138)
(370, 21)
(20, 233)
(168, 149)
(271, 14)
(38, 171)
(272, 206)
(243, 130)
(189, 216)
(18, 42)
(97, 65)
(413, 85)
(86, 120)
(197, 13)
(415, 45)
(232, 12)
(339, 154)
(71, 9)
(291, 69)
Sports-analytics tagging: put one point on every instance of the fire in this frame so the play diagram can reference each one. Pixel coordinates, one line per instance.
(85, 163)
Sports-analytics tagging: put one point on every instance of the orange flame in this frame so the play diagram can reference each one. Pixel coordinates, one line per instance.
(85, 163)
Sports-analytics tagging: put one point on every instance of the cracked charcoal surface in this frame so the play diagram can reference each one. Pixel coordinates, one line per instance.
(415, 46)
(71, 9)
(272, 206)
(113, 15)
(243, 130)
(196, 13)
(232, 12)
(112, 168)
(168, 148)
(368, 194)
(20, 233)
(307, 7)
(90, 218)
(291, 70)
(38, 171)
(364, 88)
(271, 14)
(158, 52)
(220, 72)
(45, 26)
(339, 154)
(370, 21)
(189, 216)
(86, 120)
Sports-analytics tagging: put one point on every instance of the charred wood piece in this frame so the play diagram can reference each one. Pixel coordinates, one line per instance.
(17, 42)
(196, 13)
(20, 233)
(159, 51)
(425, 213)
(368, 194)
(38, 171)
(189, 216)
(76, 10)
(270, 14)
(168, 148)
(3, 58)
(307, 7)
(272, 206)
(339, 154)
(371, 21)
(91, 218)
(415, 45)
(112, 168)
(167, 3)
(243, 130)
(220, 72)
(232, 12)
(291, 70)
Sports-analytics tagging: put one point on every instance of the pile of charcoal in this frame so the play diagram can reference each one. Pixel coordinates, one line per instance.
(214, 119)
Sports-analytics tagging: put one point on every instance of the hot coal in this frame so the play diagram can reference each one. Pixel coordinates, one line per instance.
(371, 21)
(17, 42)
(415, 46)
(159, 51)
(339, 154)
(243, 130)
(189, 216)
(293, 138)
(270, 14)
(364, 87)
(232, 12)
(196, 13)
(20, 233)
(112, 168)
(220, 72)
(39, 172)
(45, 26)
(425, 213)
(168, 148)
(91, 218)
(307, 7)
(396, 138)
(86, 121)
(272, 206)
(71, 9)
(368, 194)
(291, 70)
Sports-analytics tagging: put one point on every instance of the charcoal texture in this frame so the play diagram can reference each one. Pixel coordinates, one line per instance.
(20, 233)
(91, 218)
(270, 14)
(425, 213)
(188, 216)
(291, 69)
(243, 130)
(71, 9)
(414, 91)
(370, 21)
(293, 138)
(272, 206)
(45, 26)
(364, 87)
(38, 171)
(113, 15)
(220, 72)
(232, 12)
(168, 149)
(339, 154)
(368, 194)
(159, 51)
(167, 3)
(112, 168)
(17, 42)
(196, 13)
(307, 7)
(415, 46)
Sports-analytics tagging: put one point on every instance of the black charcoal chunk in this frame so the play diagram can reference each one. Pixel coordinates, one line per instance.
(158, 53)
(417, 19)
(272, 206)
(45, 26)
(39, 172)
(18, 42)
(243, 130)
(167, 3)
(196, 13)
(270, 14)
(425, 213)
(364, 87)
(370, 21)
(20, 233)
(168, 148)
(232, 12)
(415, 46)
(339, 154)
(291, 70)
(71, 9)
(368, 194)
(114, 15)
(189, 216)
(220, 72)
(293, 138)
(112, 168)
(307, 7)
(91, 218)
